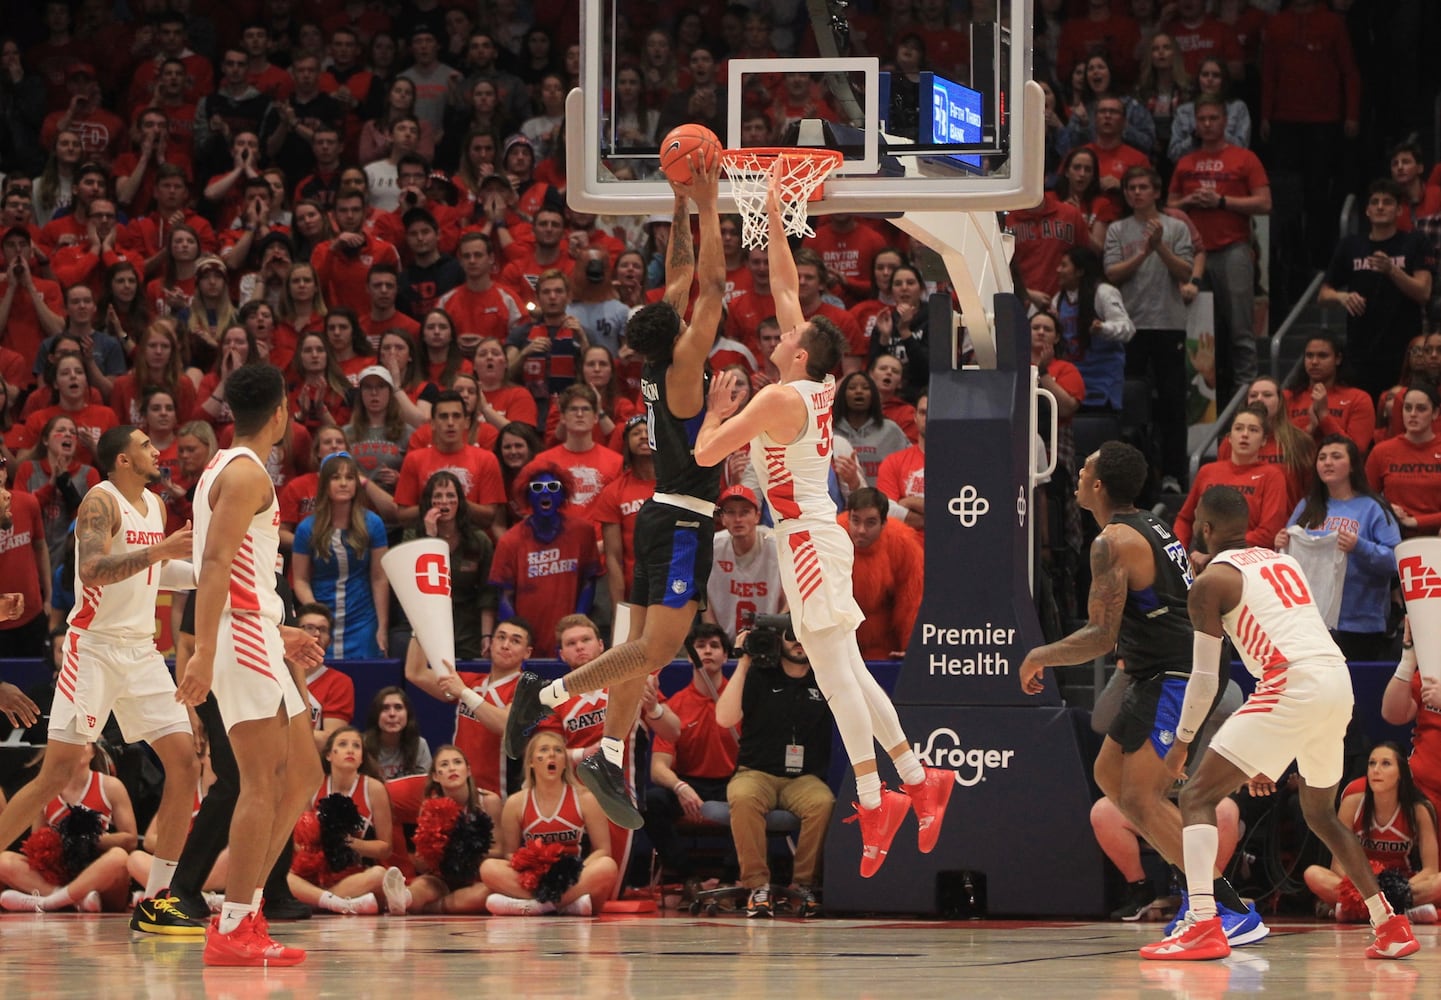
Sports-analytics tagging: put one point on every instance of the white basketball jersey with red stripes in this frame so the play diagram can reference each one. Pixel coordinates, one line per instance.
(123, 610)
(795, 476)
(1276, 624)
(252, 574)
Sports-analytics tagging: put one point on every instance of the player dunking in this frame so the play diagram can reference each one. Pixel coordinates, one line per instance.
(789, 427)
(1140, 578)
(1299, 711)
(110, 661)
(242, 649)
(675, 529)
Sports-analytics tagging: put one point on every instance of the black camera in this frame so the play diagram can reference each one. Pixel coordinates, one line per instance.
(763, 642)
(595, 270)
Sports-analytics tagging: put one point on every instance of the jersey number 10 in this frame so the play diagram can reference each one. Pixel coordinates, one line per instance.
(1289, 585)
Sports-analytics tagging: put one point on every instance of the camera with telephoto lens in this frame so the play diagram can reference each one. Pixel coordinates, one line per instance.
(763, 642)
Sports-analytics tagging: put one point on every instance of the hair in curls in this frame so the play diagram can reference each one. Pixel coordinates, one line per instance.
(1121, 468)
(653, 330)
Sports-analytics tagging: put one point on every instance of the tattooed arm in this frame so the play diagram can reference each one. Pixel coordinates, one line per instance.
(1106, 604)
(679, 257)
(96, 523)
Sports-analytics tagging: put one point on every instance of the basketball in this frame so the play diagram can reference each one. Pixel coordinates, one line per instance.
(679, 143)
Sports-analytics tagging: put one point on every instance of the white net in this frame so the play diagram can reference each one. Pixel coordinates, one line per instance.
(802, 171)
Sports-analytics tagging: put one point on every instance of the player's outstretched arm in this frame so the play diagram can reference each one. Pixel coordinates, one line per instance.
(1105, 606)
(785, 281)
(680, 255)
(695, 343)
(775, 409)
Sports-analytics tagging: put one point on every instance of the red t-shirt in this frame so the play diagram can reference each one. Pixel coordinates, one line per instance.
(490, 313)
(22, 334)
(18, 567)
(524, 270)
(703, 749)
(1349, 411)
(903, 474)
(738, 281)
(903, 415)
(1425, 743)
(297, 498)
(546, 577)
(1231, 172)
(332, 696)
(481, 746)
(477, 470)
(1043, 235)
(373, 328)
(1409, 475)
(125, 165)
(1115, 162)
(514, 403)
(1263, 485)
(744, 314)
(344, 277)
(125, 397)
(848, 256)
(1209, 39)
(92, 417)
(619, 503)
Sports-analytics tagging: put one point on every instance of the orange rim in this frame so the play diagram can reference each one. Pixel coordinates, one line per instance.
(819, 159)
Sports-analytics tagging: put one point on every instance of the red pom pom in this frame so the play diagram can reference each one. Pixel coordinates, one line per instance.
(432, 831)
(45, 853)
(307, 832)
(533, 860)
(309, 864)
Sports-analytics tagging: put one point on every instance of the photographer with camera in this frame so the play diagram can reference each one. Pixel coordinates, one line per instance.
(785, 754)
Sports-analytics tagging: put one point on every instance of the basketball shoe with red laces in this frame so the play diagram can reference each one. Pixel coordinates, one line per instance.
(1192, 941)
(246, 946)
(878, 829)
(1393, 939)
(929, 797)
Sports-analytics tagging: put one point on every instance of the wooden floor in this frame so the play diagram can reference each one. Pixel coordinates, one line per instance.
(672, 956)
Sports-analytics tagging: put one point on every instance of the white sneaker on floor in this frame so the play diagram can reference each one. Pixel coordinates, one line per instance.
(21, 902)
(509, 906)
(363, 906)
(1423, 914)
(90, 904)
(214, 901)
(397, 896)
(579, 907)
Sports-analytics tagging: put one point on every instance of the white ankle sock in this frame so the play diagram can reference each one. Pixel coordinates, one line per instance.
(554, 694)
(613, 749)
(1199, 843)
(161, 872)
(330, 901)
(231, 914)
(868, 789)
(1379, 908)
(57, 900)
(909, 766)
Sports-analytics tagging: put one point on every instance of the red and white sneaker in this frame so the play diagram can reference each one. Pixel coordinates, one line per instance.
(1393, 939)
(929, 798)
(244, 946)
(1192, 941)
(878, 829)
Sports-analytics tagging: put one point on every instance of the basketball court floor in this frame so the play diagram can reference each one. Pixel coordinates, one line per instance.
(95, 957)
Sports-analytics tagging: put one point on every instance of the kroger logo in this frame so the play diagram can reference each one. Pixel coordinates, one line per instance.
(943, 749)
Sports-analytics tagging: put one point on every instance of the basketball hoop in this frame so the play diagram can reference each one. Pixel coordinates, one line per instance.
(802, 174)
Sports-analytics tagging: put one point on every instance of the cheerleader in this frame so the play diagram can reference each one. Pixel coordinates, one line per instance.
(455, 831)
(77, 849)
(339, 840)
(1394, 822)
(541, 829)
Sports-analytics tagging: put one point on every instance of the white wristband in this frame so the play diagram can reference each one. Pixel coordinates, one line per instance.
(471, 698)
(896, 512)
(1406, 669)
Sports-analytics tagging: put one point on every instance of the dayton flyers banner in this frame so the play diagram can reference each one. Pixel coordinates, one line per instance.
(419, 574)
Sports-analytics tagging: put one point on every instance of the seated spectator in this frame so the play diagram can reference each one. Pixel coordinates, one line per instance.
(545, 566)
(331, 692)
(782, 713)
(1404, 470)
(312, 228)
(1211, 81)
(392, 736)
(696, 766)
(350, 774)
(1094, 327)
(550, 808)
(745, 577)
(1339, 502)
(47, 883)
(889, 574)
(437, 888)
(1320, 399)
(1410, 697)
(1263, 486)
(1394, 822)
(589, 466)
(901, 330)
(902, 475)
(336, 559)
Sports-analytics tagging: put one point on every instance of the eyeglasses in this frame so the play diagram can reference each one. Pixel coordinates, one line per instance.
(580, 409)
(549, 486)
(315, 629)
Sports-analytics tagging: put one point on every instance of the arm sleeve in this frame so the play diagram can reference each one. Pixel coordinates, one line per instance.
(1202, 687)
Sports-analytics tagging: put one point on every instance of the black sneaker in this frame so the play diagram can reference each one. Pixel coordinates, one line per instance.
(525, 711)
(165, 915)
(286, 909)
(803, 900)
(607, 784)
(1138, 900)
(759, 905)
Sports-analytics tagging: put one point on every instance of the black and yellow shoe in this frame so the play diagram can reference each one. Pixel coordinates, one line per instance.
(165, 915)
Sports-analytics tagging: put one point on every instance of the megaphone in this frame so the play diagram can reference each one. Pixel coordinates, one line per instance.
(419, 574)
